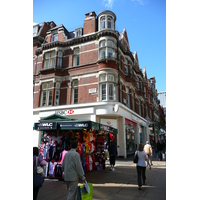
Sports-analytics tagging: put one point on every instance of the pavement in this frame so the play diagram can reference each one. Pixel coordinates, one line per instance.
(115, 185)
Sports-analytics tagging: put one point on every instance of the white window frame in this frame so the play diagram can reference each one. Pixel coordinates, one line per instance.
(35, 30)
(49, 59)
(75, 91)
(57, 94)
(54, 37)
(106, 22)
(107, 85)
(59, 61)
(76, 59)
(47, 91)
(107, 49)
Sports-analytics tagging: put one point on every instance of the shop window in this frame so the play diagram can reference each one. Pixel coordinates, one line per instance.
(107, 87)
(107, 49)
(46, 94)
(76, 57)
(60, 55)
(49, 59)
(75, 92)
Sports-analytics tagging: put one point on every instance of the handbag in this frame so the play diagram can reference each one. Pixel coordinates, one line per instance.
(38, 180)
(135, 159)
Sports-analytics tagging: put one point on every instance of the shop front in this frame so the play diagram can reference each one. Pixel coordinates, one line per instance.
(56, 134)
(131, 144)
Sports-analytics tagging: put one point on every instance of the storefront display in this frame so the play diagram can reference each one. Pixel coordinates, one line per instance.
(130, 136)
(55, 143)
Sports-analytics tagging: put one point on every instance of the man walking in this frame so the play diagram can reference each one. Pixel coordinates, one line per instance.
(148, 150)
(73, 169)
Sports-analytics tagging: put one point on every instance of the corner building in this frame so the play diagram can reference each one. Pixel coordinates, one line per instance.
(90, 73)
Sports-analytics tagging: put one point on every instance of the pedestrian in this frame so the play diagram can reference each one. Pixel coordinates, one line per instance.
(39, 161)
(148, 150)
(141, 166)
(73, 169)
(159, 148)
(112, 149)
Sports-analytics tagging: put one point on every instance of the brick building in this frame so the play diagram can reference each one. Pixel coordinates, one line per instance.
(90, 73)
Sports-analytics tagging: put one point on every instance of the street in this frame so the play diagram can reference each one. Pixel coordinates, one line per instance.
(115, 185)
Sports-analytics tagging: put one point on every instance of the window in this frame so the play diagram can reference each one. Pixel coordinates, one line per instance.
(46, 94)
(60, 54)
(109, 22)
(126, 66)
(76, 57)
(54, 37)
(103, 23)
(133, 102)
(75, 91)
(49, 59)
(145, 95)
(57, 94)
(127, 98)
(107, 87)
(146, 111)
(78, 32)
(106, 22)
(138, 83)
(139, 104)
(35, 30)
(106, 49)
(149, 99)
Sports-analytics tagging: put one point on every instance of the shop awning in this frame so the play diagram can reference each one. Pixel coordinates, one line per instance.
(45, 126)
(58, 122)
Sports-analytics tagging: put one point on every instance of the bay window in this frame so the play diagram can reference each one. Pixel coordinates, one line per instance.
(107, 87)
(106, 22)
(107, 49)
(57, 94)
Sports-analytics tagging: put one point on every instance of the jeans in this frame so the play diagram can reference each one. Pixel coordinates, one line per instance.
(141, 172)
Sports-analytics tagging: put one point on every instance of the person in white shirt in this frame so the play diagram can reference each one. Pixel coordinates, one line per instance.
(141, 165)
(148, 150)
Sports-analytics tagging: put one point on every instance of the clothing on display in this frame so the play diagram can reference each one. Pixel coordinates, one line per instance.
(54, 146)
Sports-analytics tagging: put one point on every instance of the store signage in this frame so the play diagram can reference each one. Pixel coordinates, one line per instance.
(92, 90)
(70, 112)
(45, 126)
(106, 128)
(74, 125)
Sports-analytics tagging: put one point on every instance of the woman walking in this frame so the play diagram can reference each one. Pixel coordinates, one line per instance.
(141, 166)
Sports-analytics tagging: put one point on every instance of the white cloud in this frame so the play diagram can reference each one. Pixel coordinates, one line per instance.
(108, 3)
(139, 1)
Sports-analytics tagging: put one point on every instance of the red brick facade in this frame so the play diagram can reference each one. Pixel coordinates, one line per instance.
(90, 66)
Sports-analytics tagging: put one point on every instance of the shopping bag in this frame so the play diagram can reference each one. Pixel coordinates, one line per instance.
(84, 194)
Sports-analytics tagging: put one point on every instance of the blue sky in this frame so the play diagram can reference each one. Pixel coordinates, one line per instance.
(144, 21)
